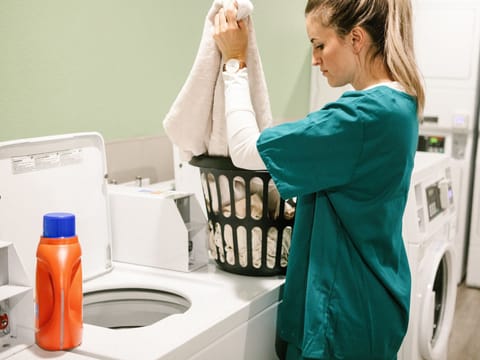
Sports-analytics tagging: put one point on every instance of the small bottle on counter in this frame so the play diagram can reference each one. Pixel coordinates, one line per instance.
(58, 286)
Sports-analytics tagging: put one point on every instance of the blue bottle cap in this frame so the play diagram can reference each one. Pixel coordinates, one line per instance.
(58, 225)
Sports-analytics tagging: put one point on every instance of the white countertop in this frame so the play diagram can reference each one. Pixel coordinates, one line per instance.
(220, 303)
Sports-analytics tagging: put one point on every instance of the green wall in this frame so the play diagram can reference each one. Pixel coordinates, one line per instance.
(115, 66)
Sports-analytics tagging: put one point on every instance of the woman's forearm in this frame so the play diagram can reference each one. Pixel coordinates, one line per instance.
(242, 128)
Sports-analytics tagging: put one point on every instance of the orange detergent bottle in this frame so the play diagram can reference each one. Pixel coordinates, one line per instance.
(58, 286)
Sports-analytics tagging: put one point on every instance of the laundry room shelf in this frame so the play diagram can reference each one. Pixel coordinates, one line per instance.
(9, 291)
(16, 300)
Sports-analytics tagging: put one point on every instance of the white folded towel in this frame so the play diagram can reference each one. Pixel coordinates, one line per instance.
(196, 120)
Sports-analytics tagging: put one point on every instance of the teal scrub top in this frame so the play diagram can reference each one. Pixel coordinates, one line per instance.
(347, 288)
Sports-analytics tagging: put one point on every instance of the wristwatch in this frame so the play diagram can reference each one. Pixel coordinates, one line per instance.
(233, 65)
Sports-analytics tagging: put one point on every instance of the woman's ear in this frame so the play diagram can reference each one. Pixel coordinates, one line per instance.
(358, 38)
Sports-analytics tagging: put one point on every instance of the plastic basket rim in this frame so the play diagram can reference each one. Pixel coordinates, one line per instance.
(217, 162)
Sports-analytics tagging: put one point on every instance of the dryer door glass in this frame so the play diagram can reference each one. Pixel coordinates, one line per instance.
(439, 289)
(438, 304)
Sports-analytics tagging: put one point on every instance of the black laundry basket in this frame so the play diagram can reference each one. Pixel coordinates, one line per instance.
(250, 225)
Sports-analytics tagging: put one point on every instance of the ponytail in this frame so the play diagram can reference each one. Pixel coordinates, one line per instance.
(399, 50)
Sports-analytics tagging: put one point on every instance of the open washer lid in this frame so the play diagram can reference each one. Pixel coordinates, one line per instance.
(64, 173)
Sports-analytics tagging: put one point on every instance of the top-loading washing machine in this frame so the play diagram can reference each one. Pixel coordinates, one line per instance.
(131, 311)
(428, 231)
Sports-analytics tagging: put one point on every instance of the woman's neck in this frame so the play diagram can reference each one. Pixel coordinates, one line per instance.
(372, 74)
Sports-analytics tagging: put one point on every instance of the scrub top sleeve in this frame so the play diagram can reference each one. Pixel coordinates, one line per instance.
(314, 154)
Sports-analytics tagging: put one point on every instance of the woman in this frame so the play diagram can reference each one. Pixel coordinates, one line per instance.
(347, 288)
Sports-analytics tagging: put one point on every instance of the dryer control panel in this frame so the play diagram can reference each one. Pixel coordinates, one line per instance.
(439, 197)
(431, 195)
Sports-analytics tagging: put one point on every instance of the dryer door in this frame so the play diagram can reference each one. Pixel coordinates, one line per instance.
(438, 305)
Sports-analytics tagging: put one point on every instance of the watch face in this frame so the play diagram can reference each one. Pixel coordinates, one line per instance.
(232, 65)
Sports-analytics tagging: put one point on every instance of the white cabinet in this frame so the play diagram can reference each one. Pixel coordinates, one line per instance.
(252, 340)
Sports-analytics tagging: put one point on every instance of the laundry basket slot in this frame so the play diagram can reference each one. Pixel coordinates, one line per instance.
(250, 224)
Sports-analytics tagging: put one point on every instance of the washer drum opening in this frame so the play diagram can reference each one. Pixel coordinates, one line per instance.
(130, 308)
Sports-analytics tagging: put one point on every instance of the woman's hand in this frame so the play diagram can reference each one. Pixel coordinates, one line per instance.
(231, 35)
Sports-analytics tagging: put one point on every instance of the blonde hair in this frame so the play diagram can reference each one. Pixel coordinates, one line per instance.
(389, 24)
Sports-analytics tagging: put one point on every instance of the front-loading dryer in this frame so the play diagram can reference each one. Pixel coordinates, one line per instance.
(428, 231)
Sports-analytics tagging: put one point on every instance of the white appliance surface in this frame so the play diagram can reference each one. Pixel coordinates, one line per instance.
(473, 262)
(221, 303)
(50, 174)
(451, 79)
(429, 217)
